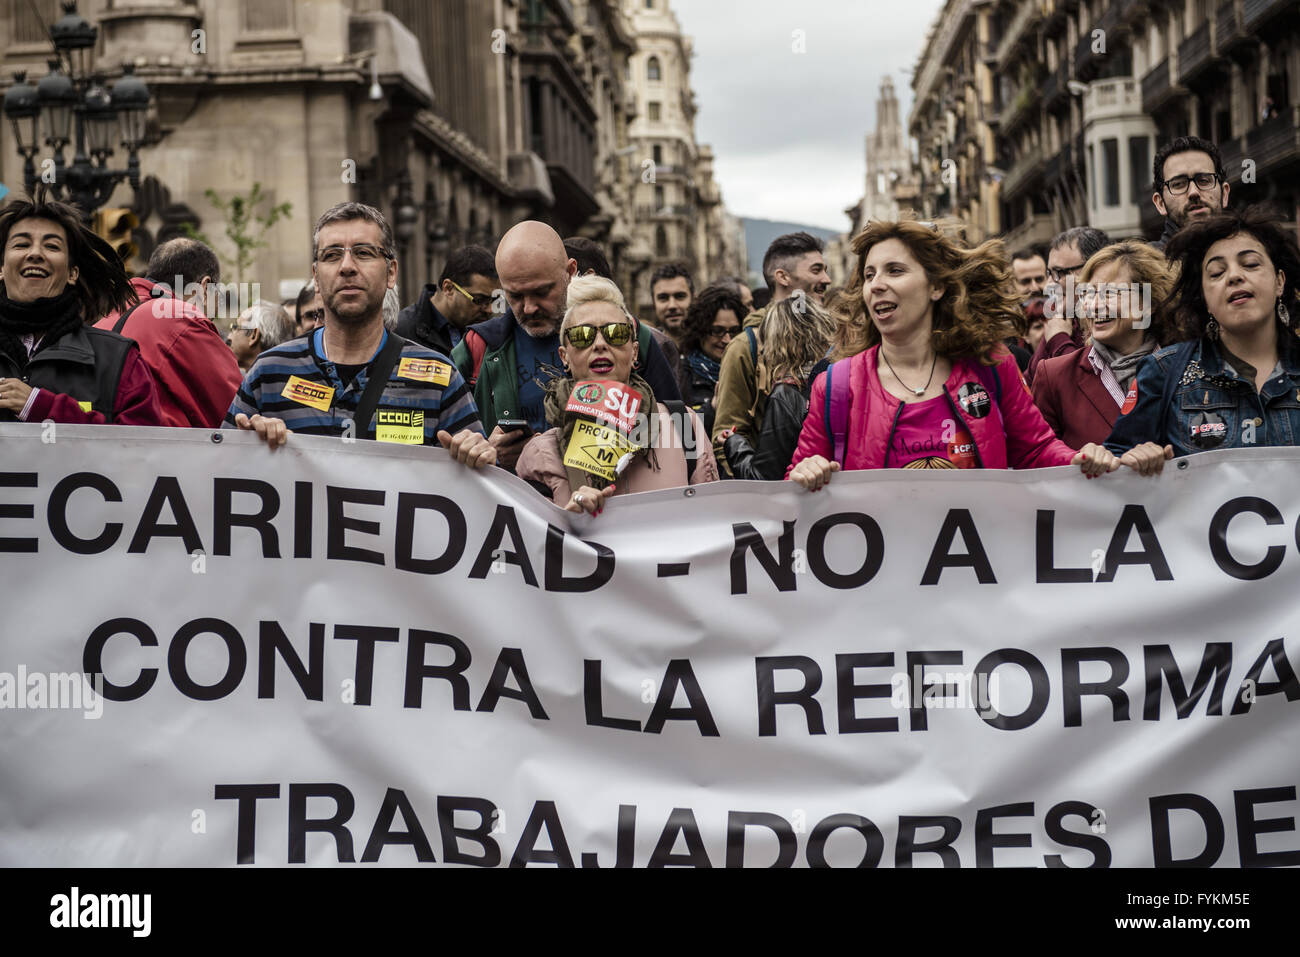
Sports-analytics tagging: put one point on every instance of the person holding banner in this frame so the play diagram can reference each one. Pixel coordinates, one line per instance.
(353, 378)
(601, 439)
(59, 277)
(1123, 290)
(923, 379)
(1236, 383)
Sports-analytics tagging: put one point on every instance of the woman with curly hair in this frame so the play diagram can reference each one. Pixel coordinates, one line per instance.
(796, 334)
(712, 321)
(58, 278)
(1124, 307)
(929, 383)
(1235, 383)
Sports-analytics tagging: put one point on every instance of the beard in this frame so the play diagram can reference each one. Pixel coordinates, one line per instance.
(535, 332)
(1185, 215)
(357, 312)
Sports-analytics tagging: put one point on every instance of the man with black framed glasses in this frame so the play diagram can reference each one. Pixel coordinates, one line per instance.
(353, 379)
(1191, 184)
(464, 295)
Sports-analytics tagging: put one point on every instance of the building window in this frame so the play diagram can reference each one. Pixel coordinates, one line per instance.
(649, 4)
(1092, 174)
(30, 20)
(659, 155)
(654, 112)
(265, 16)
(659, 198)
(1139, 166)
(653, 71)
(661, 242)
(1110, 156)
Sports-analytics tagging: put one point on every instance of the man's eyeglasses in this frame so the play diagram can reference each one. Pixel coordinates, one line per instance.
(362, 253)
(1059, 273)
(1204, 181)
(479, 299)
(724, 332)
(582, 337)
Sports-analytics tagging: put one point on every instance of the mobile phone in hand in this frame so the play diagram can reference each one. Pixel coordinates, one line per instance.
(515, 425)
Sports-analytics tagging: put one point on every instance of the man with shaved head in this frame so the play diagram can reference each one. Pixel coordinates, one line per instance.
(509, 360)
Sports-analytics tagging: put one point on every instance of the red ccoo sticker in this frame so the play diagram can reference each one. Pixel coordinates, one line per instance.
(1130, 400)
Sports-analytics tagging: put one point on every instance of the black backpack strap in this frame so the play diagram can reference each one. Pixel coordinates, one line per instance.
(752, 336)
(377, 381)
(121, 321)
(677, 409)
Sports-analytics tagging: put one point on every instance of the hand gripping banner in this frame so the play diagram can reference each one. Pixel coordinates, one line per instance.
(345, 652)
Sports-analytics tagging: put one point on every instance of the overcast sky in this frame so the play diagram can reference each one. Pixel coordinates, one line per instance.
(788, 129)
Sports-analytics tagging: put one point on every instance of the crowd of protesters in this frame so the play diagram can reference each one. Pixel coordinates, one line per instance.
(931, 354)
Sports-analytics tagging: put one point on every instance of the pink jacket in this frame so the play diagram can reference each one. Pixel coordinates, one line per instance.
(1017, 438)
(541, 461)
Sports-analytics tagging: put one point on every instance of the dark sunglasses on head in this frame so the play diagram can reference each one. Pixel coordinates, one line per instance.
(615, 333)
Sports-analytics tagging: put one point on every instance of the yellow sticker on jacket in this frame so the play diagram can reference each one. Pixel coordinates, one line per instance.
(404, 426)
(308, 393)
(596, 449)
(83, 406)
(424, 370)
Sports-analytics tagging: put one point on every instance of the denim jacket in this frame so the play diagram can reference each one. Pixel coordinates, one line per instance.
(1212, 407)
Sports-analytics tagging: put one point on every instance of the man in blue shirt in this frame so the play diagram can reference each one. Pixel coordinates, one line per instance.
(352, 378)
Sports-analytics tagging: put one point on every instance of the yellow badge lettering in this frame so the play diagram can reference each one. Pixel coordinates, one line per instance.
(303, 392)
(596, 449)
(403, 426)
(424, 370)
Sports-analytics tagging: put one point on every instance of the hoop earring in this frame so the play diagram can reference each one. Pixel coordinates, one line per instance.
(1212, 329)
(1283, 315)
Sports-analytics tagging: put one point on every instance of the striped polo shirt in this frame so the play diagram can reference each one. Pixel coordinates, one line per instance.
(296, 383)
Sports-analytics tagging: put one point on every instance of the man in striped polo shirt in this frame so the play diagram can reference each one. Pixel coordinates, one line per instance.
(352, 378)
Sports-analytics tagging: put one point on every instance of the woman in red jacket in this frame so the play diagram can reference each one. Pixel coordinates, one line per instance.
(929, 383)
(1080, 394)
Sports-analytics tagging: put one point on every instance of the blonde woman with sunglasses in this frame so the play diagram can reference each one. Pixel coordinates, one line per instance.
(598, 342)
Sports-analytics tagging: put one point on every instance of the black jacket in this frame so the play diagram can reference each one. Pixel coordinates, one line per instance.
(85, 363)
(1168, 234)
(423, 324)
(787, 406)
(697, 392)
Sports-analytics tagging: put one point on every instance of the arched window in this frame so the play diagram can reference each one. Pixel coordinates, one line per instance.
(654, 72)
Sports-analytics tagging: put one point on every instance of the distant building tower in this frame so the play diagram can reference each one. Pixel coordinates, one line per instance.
(889, 160)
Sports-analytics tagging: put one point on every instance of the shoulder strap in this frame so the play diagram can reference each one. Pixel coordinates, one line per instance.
(477, 347)
(677, 409)
(752, 336)
(121, 321)
(377, 381)
(838, 400)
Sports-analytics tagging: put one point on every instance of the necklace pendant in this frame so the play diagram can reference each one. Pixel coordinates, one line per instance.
(919, 391)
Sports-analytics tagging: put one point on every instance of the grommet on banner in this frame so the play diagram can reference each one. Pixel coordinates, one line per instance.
(216, 438)
(1182, 464)
(689, 491)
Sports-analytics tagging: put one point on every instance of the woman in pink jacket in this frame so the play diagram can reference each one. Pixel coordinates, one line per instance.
(929, 383)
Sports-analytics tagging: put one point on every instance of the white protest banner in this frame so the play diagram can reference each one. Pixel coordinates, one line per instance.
(351, 652)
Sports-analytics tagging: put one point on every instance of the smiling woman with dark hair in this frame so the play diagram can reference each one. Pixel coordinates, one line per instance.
(58, 277)
(1235, 383)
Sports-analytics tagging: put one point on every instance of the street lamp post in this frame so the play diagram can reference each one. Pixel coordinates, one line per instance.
(74, 107)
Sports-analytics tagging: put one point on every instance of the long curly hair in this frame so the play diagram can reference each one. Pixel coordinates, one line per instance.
(796, 333)
(1191, 244)
(1146, 265)
(979, 307)
(102, 284)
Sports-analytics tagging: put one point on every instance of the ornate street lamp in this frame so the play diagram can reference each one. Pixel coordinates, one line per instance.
(74, 107)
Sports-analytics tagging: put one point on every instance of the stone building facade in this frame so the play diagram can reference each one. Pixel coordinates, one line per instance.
(456, 118)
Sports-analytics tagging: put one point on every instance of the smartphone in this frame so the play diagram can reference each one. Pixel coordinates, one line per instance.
(515, 425)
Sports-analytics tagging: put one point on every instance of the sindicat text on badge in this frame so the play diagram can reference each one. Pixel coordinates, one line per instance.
(308, 393)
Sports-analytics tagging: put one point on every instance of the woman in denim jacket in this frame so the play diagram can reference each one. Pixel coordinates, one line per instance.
(1236, 384)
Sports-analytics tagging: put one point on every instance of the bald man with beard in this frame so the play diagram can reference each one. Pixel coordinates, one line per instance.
(508, 360)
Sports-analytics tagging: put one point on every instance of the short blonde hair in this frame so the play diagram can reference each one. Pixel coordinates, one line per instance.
(586, 290)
